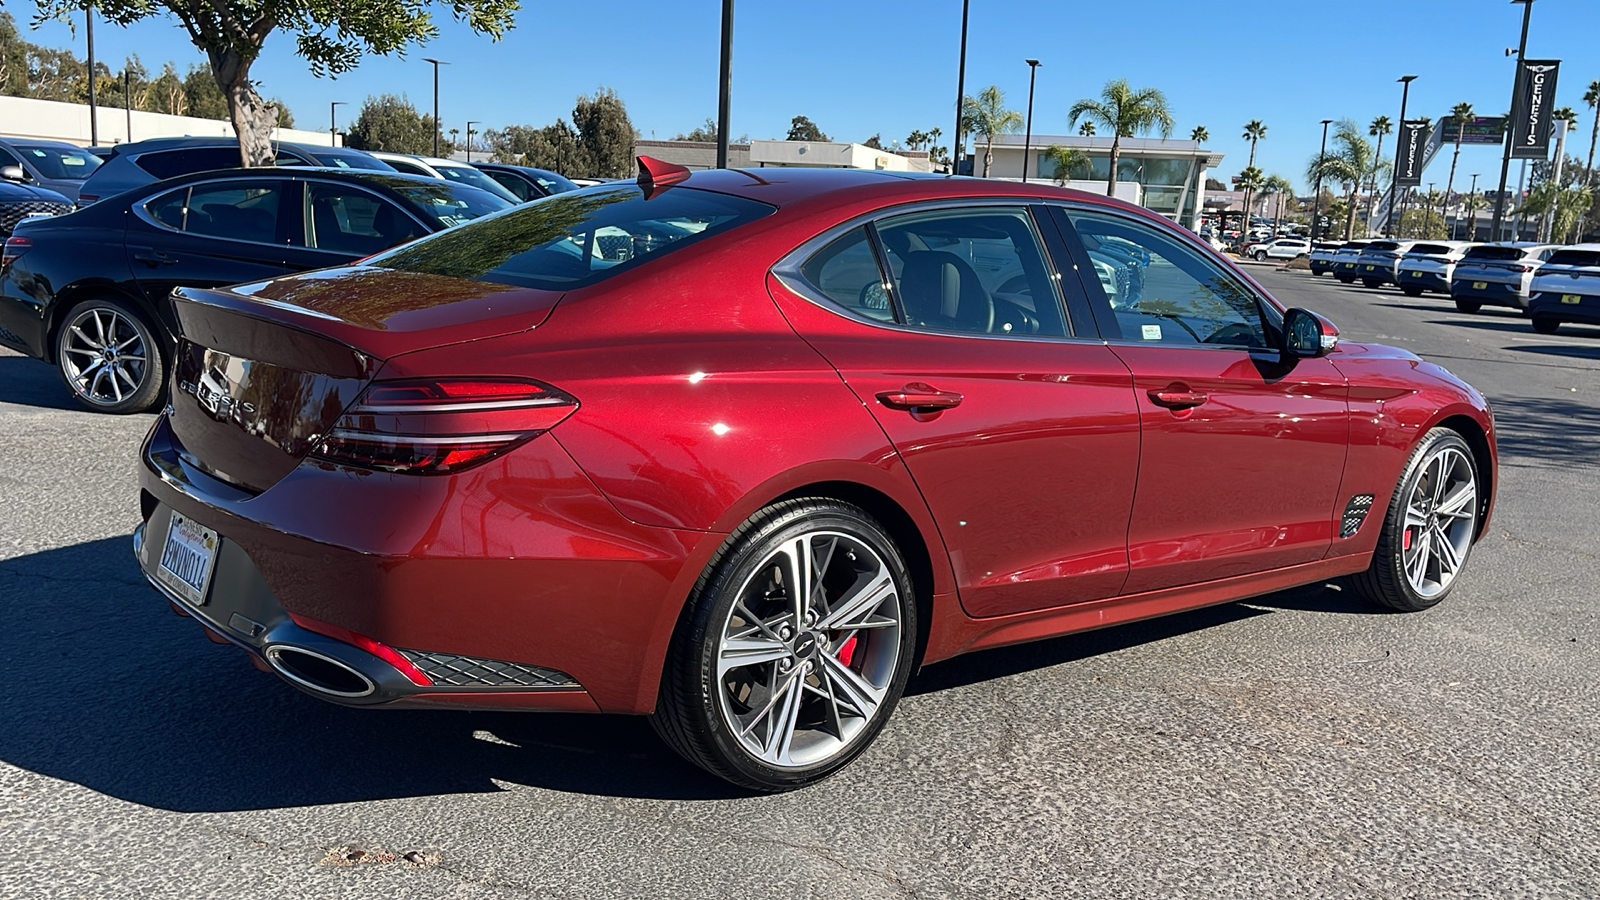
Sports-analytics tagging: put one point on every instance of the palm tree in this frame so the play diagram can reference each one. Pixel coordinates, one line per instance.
(1349, 163)
(1592, 97)
(1199, 135)
(933, 146)
(1284, 190)
(1066, 160)
(1250, 180)
(1473, 203)
(1567, 204)
(987, 115)
(1253, 131)
(1461, 112)
(1086, 129)
(1127, 112)
(1379, 127)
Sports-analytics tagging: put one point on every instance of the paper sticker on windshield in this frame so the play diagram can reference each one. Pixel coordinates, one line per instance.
(1150, 332)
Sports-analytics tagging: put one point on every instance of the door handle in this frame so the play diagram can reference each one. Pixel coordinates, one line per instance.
(1177, 396)
(917, 397)
(152, 258)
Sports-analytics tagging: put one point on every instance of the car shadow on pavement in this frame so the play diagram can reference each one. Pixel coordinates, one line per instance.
(1547, 431)
(27, 381)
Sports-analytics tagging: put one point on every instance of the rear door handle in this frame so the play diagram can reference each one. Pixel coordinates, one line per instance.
(1177, 397)
(917, 396)
(154, 258)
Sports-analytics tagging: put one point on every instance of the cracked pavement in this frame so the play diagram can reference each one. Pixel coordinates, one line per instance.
(1295, 745)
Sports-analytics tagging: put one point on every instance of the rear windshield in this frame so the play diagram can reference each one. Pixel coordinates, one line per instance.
(476, 178)
(1575, 258)
(1432, 249)
(1383, 245)
(59, 162)
(1495, 253)
(351, 160)
(448, 204)
(574, 239)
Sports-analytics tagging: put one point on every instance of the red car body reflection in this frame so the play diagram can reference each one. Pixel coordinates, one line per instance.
(703, 387)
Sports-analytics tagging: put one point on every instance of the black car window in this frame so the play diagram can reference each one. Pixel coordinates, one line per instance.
(979, 270)
(242, 211)
(408, 167)
(515, 184)
(1161, 290)
(846, 272)
(6, 159)
(1496, 253)
(574, 239)
(1575, 258)
(67, 163)
(447, 205)
(346, 219)
(164, 164)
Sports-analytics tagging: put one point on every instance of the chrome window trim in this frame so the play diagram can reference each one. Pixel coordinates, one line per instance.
(138, 209)
(305, 209)
(787, 269)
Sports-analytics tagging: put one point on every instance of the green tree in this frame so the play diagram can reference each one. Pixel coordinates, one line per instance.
(605, 134)
(1348, 162)
(875, 142)
(13, 59)
(1423, 224)
(1380, 126)
(1280, 187)
(389, 122)
(1250, 180)
(202, 96)
(166, 93)
(986, 115)
(1128, 113)
(803, 129)
(331, 36)
(1460, 114)
(1086, 129)
(1472, 205)
(1253, 132)
(1064, 163)
(1200, 135)
(1569, 204)
(1592, 97)
(706, 132)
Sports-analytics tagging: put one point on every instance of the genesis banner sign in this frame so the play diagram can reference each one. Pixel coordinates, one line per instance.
(1530, 116)
(1411, 147)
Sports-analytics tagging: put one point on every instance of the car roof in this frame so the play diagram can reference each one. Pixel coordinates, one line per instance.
(336, 173)
(39, 142)
(169, 143)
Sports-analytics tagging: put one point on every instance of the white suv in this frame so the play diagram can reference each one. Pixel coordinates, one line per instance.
(1566, 289)
(1497, 275)
(1282, 248)
(1322, 253)
(446, 169)
(1428, 267)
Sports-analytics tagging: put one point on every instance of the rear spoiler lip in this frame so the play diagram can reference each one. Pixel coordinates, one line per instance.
(194, 306)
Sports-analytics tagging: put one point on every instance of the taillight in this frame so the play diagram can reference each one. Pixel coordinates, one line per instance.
(86, 199)
(14, 248)
(443, 425)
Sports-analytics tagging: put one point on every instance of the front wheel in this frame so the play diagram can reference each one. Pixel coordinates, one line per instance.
(1546, 325)
(1261, 255)
(110, 358)
(1429, 528)
(1468, 306)
(797, 643)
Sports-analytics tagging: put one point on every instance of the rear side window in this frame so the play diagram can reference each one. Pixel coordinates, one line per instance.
(1383, 245)
(1575, 258)
(846, 272)
(574, 239)
(238, 210)
(172, 163)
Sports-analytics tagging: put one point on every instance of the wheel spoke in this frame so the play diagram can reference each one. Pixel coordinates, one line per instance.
(128, 341)
(99, 326)
(735, 653)
(785, 722)
(860, 605)
(1459, 503)
(1417, 565)
(116, 386)
(83, 337)
(1445, 552)
(853, 690)
(818, 598)
(797, 576)
(1441, 477)
(1417, 517)
(79, 351)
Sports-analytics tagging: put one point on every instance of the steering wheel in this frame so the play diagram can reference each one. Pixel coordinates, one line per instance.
(1235, 333)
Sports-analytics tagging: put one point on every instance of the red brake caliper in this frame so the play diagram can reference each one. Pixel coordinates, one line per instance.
(847, 650)
(1405, 542)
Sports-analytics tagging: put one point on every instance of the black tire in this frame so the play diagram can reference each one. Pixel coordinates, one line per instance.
(133, 386)
(1369, 283)
(690, 715)
(1470, 307)
(1345, 279)
(1546, 325)
(1385, 582)
(1410, 291)
(1261, 255)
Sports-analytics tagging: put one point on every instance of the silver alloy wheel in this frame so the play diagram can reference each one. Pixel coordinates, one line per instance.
(1441, 517)
(104, 355)
(801, 673)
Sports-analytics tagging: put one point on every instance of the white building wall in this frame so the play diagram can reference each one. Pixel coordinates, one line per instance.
(24, 117)
(817, 154)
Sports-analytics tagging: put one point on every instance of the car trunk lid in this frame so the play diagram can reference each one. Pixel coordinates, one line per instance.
(264, 370)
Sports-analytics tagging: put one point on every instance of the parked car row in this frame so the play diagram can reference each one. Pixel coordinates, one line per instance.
(1550, 283)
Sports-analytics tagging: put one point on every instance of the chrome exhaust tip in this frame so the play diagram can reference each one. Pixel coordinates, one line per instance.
(319, 672)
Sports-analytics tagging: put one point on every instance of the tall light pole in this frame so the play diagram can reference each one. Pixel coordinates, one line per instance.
(1472, 214)
(725, 85)
(333, 122)
(127, 101)
(961, 90)
(1027, 138)
(1394, 191)
(1505, 159)
(436, 126)
(1316, 207)
(94, 120)
(469, 139)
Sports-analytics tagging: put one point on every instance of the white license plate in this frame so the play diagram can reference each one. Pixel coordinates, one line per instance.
(1571, 298)
(187, 560)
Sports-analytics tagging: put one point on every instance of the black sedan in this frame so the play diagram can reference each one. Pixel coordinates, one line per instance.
(527, 182)
(18, 201)
(89, 291)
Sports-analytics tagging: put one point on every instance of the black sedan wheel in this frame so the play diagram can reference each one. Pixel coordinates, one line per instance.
(109, 357)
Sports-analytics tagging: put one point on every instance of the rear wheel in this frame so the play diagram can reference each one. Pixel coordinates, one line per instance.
(110, 358)
(1261, 255)
(1546, 325)
(1410, 291)
(1368, 282)
(1467, 306)
(1429, 528)
(773, 687)
(1344, 279)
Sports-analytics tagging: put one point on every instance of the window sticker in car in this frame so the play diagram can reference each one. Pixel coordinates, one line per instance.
(1150, 332)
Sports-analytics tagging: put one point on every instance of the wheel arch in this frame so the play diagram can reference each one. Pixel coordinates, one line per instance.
(1483, 455)
(77, 292)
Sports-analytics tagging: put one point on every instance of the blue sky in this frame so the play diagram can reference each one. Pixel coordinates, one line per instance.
(862, 68)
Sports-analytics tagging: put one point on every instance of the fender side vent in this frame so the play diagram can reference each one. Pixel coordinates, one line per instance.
(1355, 512)
(449, 670)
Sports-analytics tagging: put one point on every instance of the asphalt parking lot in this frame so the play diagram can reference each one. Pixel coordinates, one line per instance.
(1297, 745)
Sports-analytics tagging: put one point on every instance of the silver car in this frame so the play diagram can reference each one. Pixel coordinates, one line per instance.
(1497, 275)
(1428, 267)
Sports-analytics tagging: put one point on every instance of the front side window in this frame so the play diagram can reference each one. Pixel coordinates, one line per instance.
(575, 239)
(978, 270)
(523, 190)
(238, 210)
(1161, 291)
(346, 219)
(59, 162)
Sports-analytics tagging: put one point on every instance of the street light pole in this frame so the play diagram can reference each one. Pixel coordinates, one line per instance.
(1394, 192)
(127, 101)
(436, 126)
(961, 90)
(333, 122)
(1505, 159)
(94, 120)
(1316, 206)
(725, 85)
(1472, 215)
(469, 138)
(1027, 139)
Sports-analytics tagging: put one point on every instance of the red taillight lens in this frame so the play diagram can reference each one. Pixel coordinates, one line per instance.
(14, 248)
(444, 425)
(86, 199)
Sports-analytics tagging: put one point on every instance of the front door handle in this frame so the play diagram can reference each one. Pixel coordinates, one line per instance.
(1177, 396)
(154, 258)
(919, 397)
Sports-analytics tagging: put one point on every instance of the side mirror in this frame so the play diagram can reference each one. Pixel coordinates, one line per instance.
(1307, 335)
(12, 173)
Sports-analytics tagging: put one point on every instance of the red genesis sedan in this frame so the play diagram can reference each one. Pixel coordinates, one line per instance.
(740, 450)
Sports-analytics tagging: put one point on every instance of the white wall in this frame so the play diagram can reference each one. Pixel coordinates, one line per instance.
(817, 154)
(22, 117)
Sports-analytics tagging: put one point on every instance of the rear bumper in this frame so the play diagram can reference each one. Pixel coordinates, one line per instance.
(1374, 271)
(1585, 312)
(1428, 281)
(518, 568)
(1493, 293)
